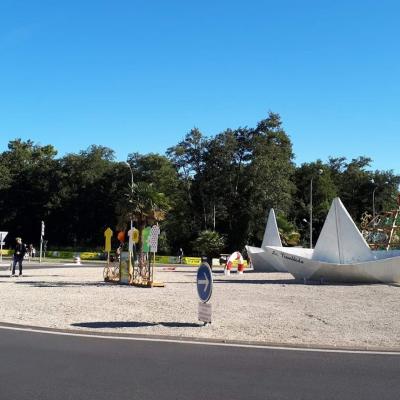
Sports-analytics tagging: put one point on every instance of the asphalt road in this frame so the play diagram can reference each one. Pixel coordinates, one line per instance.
(43, 366)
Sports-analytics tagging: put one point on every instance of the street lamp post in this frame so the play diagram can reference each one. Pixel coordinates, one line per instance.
(132, 251)
(373, 204)
(373, 199)
(130, 168)
(311, 207)
(311, 212)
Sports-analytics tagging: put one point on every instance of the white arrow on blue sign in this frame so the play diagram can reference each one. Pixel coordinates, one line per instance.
(204, 282)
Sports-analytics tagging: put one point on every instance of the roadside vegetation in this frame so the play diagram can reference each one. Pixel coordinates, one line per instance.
(214, 191)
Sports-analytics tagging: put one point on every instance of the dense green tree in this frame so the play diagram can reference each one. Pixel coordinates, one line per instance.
(91, 183)
(269, 177)
(324, 191)
(189, 215)
(356, 184)
(214, 187)
(29, 187)
(162, 173)
(226, 160)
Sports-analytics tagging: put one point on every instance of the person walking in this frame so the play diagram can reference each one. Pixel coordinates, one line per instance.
(19, 253)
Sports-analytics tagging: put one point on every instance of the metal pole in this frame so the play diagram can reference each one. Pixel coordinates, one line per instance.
(130, 168)
(214, 216)
(373, 204)
(1, 247)
(130, 266)
(311, 217)
(41, 246)
(41, 241)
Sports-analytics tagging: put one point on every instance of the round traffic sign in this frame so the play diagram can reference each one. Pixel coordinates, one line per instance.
(204, 282)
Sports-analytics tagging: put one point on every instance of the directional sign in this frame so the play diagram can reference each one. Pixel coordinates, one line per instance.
(108, 235)
(145, 239)
(2, 237)
(204, 282)
(135, 235)
(153, 240)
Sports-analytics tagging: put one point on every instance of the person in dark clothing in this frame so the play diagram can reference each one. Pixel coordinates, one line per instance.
(19, 252)
(180, 255)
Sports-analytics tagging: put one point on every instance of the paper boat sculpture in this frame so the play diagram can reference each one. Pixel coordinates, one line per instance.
(261, 259)
(340, 255)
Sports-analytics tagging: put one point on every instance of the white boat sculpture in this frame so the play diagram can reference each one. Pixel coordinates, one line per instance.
(262, 260)
(340, 255)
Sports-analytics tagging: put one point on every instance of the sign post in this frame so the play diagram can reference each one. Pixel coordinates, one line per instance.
(153, 239)
(108, 233)
(41, 241)
(2, 237)
(130, 252)
(204, 290)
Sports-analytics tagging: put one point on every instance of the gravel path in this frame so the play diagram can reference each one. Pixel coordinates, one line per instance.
(263, 307)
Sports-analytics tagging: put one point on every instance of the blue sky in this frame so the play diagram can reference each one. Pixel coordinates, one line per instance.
(137, 75)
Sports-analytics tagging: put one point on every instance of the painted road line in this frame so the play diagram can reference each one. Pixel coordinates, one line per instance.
(197, 342)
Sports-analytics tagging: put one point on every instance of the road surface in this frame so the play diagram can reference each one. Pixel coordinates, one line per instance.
(47, 366)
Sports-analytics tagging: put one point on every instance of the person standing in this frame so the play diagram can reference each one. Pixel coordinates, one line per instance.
(180, 255)
(19, 253)
(30, 251)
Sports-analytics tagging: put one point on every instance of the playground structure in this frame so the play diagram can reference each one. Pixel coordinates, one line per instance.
(382, 231)
(132, 267)
(143, 271)
(111, 270)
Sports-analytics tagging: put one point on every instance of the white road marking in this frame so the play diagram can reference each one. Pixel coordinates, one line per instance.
(166, 340)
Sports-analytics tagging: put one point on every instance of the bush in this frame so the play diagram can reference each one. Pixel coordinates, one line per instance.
(209, 243)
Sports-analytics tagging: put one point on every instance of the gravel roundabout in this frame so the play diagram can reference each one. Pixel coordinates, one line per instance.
(255, 307)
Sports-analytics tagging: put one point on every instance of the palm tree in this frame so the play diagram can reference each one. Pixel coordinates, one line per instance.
(145, 206)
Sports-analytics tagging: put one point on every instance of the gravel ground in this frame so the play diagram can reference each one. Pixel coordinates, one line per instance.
(261, 307)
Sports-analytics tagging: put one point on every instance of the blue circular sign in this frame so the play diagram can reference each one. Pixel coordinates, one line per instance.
(204, 282)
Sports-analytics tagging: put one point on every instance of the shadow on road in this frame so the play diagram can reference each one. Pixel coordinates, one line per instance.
(133, 324)
(43, 284)
(260, 281)
(19, 279)
(293, 282)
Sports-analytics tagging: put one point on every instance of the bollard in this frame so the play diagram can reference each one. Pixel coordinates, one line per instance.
(240, 268)
(228, 267)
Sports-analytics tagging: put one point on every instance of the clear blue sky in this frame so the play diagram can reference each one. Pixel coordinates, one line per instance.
(137, 75)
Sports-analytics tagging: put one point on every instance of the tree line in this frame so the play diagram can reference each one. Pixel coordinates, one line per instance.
(215, 191)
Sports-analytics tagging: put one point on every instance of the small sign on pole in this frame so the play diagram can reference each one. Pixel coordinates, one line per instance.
(2, 237)
(205, 312)
(108, 233)
(153, 240)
